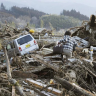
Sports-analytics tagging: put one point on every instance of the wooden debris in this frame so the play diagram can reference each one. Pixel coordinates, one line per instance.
(2, 67)
(22, 74)
(35, 89)
(2, 90)
(48, 64)
(7, 63)
(13, 91)
(73, 87)
(46, 51)
(13, 81)
(76, 71)
(18, 87)
(40, 85)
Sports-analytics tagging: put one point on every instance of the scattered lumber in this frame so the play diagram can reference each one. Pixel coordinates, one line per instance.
(12, 81)
(46, 51)
(7, 63)
(2, 90)
(40, 85)
(13, 91)
(48, 64)
(35, 89)
(73, 87)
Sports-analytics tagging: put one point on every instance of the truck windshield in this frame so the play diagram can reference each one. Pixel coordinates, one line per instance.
(24, 40)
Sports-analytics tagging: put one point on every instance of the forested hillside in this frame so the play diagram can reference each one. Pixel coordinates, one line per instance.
(58, 21)
(74, 14)
(19, 17)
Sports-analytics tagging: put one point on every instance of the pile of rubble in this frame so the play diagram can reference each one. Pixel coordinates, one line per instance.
(42, 73)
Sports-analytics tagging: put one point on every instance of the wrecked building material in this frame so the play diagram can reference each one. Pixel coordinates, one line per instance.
(73, 87)
(48, 64)
(40, 85)
(2, 68)
(7, 63)
(13, 91)
(35, 89)
(13, 81)
(22, 74)
(78, 73)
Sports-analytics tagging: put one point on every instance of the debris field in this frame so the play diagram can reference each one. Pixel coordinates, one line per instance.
(41, 72)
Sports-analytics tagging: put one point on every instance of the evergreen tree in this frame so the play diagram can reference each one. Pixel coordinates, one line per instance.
(2, 7)
(74, 14)
(41, 24)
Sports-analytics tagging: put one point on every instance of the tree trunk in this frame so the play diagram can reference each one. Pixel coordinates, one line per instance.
(73, 87)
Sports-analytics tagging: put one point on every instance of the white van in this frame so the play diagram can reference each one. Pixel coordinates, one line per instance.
(22, 45)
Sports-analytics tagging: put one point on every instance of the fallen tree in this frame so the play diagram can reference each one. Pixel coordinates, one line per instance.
(73, 87)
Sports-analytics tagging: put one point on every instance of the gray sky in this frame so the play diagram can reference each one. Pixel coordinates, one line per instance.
(86, 7)
(91, 3)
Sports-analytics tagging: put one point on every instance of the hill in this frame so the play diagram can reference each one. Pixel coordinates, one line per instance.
(20, 16)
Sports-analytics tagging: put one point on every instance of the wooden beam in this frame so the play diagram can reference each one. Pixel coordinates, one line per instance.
(13, 91)
(73, 87)
(12, 81)
(7, 63)
(22, 74)
(40, 85)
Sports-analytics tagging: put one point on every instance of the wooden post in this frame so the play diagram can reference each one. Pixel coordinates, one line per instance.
(7, 63)
(73, 87)
(13, 91)
(12, 81)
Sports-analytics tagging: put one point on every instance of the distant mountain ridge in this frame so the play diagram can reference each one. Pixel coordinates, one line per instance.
(26, 11)
(22, 15)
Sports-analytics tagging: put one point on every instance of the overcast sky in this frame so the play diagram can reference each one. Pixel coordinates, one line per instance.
(86, 7)
(91, 3)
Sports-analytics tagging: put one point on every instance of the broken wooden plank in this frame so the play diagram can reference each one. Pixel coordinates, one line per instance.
(36, 90)
(73, 87)
(47, 63)
(22, 74)
(40, 85)
(12, 81)
(7, 63)
(46, 51)
(13, 91)
(18, 87)
(56, 61)
(94, 74)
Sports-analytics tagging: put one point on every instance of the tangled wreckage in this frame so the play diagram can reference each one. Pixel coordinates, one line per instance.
(42, 73)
